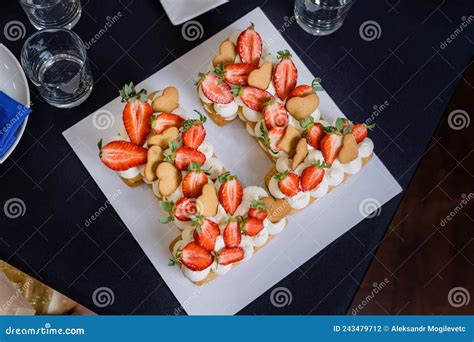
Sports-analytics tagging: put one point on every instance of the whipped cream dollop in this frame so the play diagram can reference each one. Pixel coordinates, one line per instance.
(366, 148)
(203, 97)
(321, 190)
(275, 228)
(196, 275)
(228, 110)
(207, 149)
(352, 167)
(261, 238)
(251, 115)
(213, 166)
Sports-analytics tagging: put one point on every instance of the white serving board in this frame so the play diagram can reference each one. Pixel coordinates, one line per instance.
(301, 239)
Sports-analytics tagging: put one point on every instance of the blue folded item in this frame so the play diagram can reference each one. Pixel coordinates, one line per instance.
(12, 115)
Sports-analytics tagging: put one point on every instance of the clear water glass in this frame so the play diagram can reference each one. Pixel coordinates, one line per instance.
(52, 13)
(321, 17)
(55, 60)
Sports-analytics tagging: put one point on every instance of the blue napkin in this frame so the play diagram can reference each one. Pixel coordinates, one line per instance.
(12, 115)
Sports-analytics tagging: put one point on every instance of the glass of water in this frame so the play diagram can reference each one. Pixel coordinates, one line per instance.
(52, 13)
(55, 60)
(321, 17)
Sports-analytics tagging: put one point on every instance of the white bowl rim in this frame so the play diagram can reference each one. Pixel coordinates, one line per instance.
(21, 129)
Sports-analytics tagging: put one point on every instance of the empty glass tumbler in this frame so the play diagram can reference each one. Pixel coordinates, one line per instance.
(52, 13)
(321, 17)
(55, 60)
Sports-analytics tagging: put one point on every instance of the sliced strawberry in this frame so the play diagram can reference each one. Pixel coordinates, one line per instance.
(252, 226)
(275, 114)
(215, 89)
(249, 46)
(312, 176)
(194, 257)
(193, 131)
(313, 132)
(258, 210)
(230, 192)
(360, 131)
(254, 98)
(228, 255)
(122, 155)
(288, 183)
(270, 138)
(237, 73)
(206, 232)
(232, 235)
(194, 180)
(136, 114)
(330, 146)
(301, 90)
(285, 75)
(185, 208)
(184, 156)
(166, 120)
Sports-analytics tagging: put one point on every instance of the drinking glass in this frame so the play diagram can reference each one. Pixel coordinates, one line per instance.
(321, 17)
(55, 60)
(52, 13)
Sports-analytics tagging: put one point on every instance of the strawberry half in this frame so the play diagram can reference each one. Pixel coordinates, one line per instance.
(205, 233)
(194, 180)
(360, 131)
(314, 132)
(237, 73)
(252, 97)
(136, 114)
(249, 46)
(166, 120)
(230, 192)
(275, 114)
(252, 226)
(312, 176)
(288, 183)
(183, 156)
(193, 257)
(228, 255)
(270, 138)
(215, 89)
(300, 90)
(193, 131)
(182, 210)
(258, 210)
(331, 145)
(122, 155)
(285, 75)
(232, 235)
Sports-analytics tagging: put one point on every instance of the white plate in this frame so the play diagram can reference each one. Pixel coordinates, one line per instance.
(180, 11)
(13, 83)
(303, 238)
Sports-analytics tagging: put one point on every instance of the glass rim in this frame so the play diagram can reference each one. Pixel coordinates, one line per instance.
(23, 54)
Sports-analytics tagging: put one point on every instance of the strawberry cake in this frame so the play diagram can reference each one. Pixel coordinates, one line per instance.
(219, 222)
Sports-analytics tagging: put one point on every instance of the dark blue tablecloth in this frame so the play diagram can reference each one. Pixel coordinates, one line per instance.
(410, 71)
